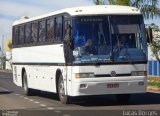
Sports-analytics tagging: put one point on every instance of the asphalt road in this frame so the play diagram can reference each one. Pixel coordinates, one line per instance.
(14, 102)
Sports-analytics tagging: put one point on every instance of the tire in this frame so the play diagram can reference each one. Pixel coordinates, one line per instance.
(27, 91)
(65, 99)
(123, 98)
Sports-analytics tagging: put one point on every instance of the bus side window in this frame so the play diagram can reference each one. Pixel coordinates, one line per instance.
(42, 31)
(21, 35)
(50, 30)
(27, 33)
(16, 38)
(34, 32)
(58, 29)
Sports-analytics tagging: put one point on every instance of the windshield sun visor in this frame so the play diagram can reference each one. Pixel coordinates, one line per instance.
(125, 29)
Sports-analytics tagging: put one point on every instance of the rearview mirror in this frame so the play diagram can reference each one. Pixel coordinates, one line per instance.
(71, 43)
(149, 35)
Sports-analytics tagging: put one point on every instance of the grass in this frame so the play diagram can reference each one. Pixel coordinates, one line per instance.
(154, 81)
(8, 71)
(157, 84)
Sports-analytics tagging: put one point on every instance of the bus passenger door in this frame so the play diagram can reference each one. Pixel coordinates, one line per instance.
(68, 55)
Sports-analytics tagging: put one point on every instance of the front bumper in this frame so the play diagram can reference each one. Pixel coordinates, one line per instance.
(99, 86)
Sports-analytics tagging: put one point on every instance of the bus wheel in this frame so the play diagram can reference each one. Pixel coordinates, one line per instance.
(61, 91)
(123, 98)
(27, 91)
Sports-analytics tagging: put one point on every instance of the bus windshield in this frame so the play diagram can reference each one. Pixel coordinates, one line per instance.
(113, 38)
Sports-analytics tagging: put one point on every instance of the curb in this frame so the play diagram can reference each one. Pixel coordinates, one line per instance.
(153, 88)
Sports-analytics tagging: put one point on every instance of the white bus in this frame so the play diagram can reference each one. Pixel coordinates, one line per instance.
(82, 51)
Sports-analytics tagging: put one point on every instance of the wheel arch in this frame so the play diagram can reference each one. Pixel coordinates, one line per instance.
(22, 73)
(58, 73)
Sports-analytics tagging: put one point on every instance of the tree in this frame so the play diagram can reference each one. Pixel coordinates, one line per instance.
(9, 60)
(149, 8)
(99, 2)
(120, 2)
(3, 62)
(155, 47)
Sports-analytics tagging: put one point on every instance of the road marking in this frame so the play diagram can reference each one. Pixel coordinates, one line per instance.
(26, 98)
(3, 89)
(57, 111)
(31, 100)
(66, 115)
(36, 102)
(43, 105)
(50, 108)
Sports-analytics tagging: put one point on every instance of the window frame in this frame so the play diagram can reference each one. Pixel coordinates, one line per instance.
(30, 43)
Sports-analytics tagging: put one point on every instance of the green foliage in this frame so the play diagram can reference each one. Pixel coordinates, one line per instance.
(157, 84)
(3, 59)
(154, 81)
(99, 2)
(149, 8)
(155, 28)
(120, 2)
(155, 47)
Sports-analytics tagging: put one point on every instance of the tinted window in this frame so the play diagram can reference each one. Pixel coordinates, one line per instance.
(50, 30)
(15, 36)
(34, 32)
(21, 35)
(128, 38)
(42, 31)
(58, 29)
(27, 33)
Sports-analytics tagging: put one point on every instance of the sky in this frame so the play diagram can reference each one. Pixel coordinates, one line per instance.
(11, 10)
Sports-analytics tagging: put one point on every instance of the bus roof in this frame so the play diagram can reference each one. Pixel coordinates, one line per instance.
(87, 10)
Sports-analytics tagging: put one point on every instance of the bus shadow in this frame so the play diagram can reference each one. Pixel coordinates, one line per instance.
(107, 100)
(147, 98)
(110, 100)
(47, 95)
(5, 92)
(103, 100)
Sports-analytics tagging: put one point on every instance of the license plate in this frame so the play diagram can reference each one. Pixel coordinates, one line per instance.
(113, 85)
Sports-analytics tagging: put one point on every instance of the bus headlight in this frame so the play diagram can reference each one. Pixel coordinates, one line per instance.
(84, 75)
(139, 73)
